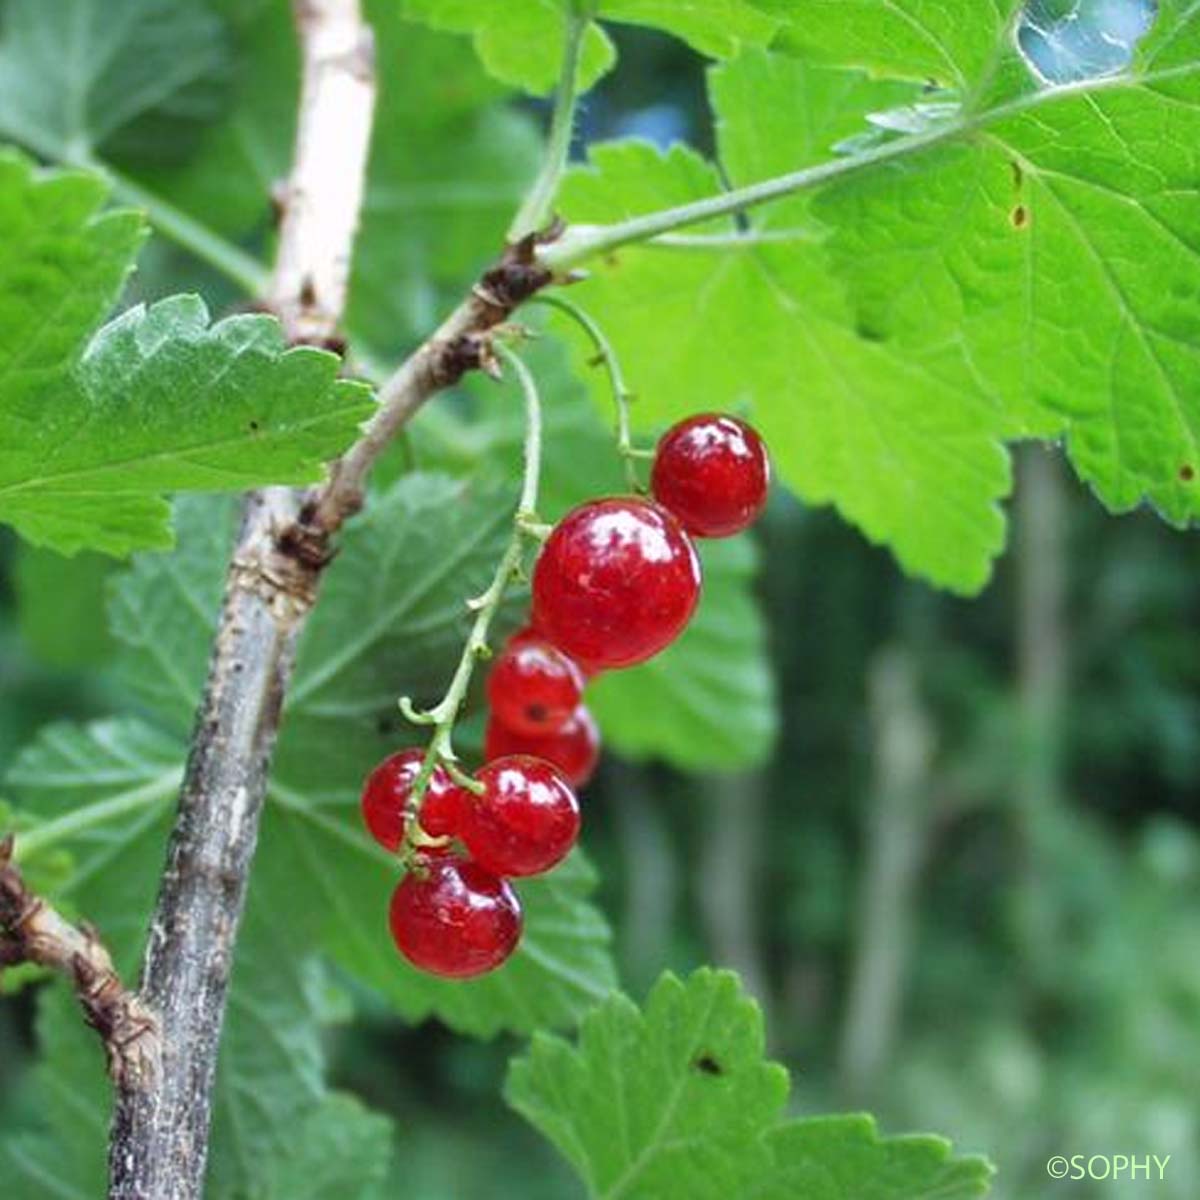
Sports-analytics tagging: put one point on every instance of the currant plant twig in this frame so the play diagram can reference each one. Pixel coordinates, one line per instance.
(622, 396)
(536, 208)
(485, 606)
(31, 931)
(159, 1139)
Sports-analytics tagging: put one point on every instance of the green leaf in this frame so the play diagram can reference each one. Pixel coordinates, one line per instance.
(62, 265)
(102, 793)
(839, 1158)
(949, 41)
(340, 1149)
(105, 793)
(161, 401)
(1029, 275)
(162, 609)
(136, 78)
(55, 1143)
(904, 449)
(59, 602)
(677, 1100)
(707, 702)
(520, 41)
(1057, 245)
(667, 1102)
(275, 1123)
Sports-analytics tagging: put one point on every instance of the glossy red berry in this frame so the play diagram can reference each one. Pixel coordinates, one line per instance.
(386, 793)
(574, 749)
(616, 581)
(713, 473)
(526, 819)
(454, 918)
(534, 688)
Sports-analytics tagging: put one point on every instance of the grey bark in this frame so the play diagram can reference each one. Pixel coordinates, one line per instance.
(159, 1137)
(158, 1142)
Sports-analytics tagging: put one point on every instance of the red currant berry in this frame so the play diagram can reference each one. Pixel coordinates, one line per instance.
(574, 749)
(534, 688)
(616, 581)
(526, 819)
(712, 472)
(386, 793)
(454, 918)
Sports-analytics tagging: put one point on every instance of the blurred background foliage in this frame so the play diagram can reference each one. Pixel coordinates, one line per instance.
(966, 885)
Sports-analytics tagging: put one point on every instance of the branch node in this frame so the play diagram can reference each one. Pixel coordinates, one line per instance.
(31, 931)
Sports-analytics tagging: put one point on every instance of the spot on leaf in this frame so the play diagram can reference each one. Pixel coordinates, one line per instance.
(1019, 217)
(1187, 473)
(708, 1065)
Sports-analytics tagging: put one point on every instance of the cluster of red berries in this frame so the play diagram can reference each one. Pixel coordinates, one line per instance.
(616, 582)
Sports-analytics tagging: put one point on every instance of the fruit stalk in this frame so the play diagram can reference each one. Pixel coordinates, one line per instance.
(443, 716)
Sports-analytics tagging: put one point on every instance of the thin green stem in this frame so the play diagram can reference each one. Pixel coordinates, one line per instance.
(730, 241)
(586, 241)
(621, 394)
(582, 242)
(173, 223)
(444, 715)
(535, 210)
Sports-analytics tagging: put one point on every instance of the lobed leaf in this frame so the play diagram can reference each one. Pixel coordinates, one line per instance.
(1057, 245)
(676, 1099)
(1028, 275)
(160, 401)
(902, 448)
(949, 41)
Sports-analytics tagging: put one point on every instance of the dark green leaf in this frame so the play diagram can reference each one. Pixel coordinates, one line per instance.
(60, 606)
(677, 1100)
(127, 77)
